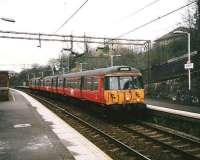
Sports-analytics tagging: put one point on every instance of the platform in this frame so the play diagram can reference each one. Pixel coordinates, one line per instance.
(183, 110)
(30, 131)
(194, 109)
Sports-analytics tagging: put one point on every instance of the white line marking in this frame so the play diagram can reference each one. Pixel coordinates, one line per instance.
(173, 111)
(22, 125)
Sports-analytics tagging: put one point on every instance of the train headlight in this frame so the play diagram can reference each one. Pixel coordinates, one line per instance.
(128, 98)
(138, 100)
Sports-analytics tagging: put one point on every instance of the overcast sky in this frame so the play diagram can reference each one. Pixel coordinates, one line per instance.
(108, 18)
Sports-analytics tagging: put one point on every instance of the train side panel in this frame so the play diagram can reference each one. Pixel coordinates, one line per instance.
(92, 89)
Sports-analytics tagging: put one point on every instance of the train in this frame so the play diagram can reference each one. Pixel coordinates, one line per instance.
(114, 88)
(4, 86)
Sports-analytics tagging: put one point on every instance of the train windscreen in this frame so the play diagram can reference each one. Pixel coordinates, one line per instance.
(123, 83)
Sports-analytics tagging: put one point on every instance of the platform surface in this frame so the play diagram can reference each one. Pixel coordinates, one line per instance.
(29, 131)
(165, 104)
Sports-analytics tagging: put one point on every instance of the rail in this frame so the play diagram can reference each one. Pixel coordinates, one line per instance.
(119, 143)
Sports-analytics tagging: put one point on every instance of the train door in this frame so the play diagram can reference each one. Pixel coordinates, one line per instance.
(101, 89)
(81, 86)
(56, 85)
(64, 85)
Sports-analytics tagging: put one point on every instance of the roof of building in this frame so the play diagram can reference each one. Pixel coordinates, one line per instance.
(171, 34)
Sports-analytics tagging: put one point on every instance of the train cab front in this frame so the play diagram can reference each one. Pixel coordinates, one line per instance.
(124, 92)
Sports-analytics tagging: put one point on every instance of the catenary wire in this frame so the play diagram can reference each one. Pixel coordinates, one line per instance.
(71, 16)
(143, 8)
(154, 20)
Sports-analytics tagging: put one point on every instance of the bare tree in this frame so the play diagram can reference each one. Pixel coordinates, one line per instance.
(53, 63)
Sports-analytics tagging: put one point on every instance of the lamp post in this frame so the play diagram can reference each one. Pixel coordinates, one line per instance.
(189, 65)
(34, 75)
(111, 59)
(81, 66)
(68, 51)
(42, 74)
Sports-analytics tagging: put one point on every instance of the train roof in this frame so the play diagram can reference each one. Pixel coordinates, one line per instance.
(100, 71)
(103, 71)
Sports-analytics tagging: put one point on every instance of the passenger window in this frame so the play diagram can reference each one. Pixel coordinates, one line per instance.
(106, 83)
(90, 83)
(95, 84)
(126, 83)
(65, 82)
(113, 83)
(60, 83)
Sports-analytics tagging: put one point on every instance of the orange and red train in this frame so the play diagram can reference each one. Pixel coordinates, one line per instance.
(118, 87)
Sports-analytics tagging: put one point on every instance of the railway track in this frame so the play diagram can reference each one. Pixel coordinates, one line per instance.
(136, 140)
(188, 148)
(116, 148)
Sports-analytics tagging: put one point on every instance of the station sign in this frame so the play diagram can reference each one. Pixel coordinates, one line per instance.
(189, 65)
(124, 69)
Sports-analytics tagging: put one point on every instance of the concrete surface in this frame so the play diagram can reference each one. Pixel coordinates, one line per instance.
(29, 131)
(24, 135)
